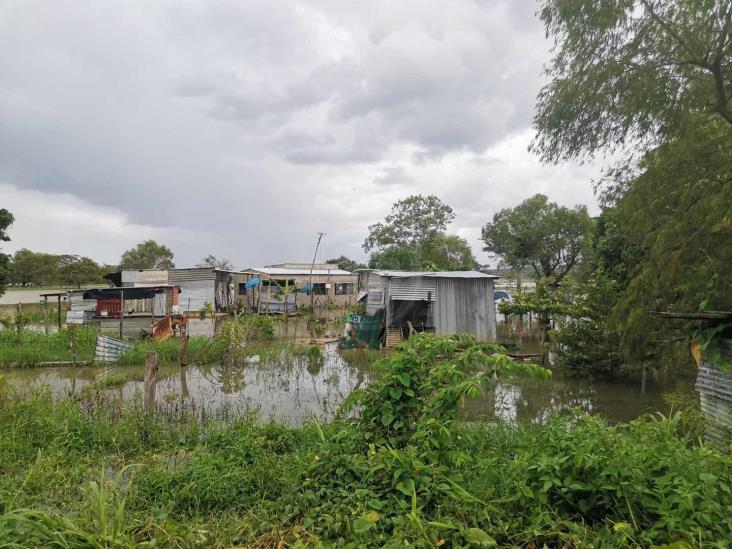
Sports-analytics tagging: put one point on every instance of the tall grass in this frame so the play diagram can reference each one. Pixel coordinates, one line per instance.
(28, 348)
(168, 350)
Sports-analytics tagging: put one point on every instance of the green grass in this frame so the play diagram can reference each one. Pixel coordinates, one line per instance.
(99, 472)
(252, 335)
(168, 350)
(572, 483)
(29, 348)
(362, 357)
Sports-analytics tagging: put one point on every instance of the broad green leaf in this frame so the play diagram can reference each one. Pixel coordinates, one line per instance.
(406, 487)
(361, 525)
(478, 537)
(395, 392)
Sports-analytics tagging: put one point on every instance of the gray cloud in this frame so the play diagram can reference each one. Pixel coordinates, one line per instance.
(394, 175)
(253, 125)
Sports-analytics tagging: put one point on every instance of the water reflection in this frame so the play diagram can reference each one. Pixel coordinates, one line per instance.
(289, 389)
(525, 399)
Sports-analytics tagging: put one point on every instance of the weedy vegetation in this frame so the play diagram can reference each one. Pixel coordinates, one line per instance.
(21, 347)
(402, 471)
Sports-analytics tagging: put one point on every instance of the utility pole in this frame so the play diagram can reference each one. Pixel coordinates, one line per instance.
(312, 265)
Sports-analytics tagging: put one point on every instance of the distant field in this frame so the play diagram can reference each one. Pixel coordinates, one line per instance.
(15, 295)
(24, 295)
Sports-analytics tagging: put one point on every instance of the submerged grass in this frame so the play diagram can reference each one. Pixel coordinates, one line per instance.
(112, 380)
(168, 350)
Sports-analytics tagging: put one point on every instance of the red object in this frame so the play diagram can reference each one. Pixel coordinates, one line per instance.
(112, 306)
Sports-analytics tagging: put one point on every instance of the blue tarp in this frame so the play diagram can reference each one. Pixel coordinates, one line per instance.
(252, 283)
(306, 289)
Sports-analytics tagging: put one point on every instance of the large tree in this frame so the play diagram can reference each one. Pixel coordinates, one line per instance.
(448, 252)
(6, 219)
(655, 77)
(412, 237)
(549, 238)
(34, 268)
(147, 255)
(669, 246)
(74, 270)
(624, 70)
(400, 258)
(409, 224)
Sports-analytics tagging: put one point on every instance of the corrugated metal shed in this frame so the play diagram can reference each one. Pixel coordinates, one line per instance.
(465, 306)
(464, 301)
(715, 395)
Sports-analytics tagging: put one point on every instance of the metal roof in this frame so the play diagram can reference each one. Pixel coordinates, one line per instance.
(203, 269)
(295, 272)
(432, 274)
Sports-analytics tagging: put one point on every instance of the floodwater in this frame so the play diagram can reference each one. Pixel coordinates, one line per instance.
(293, 388)
(526, 399)
(290, 389)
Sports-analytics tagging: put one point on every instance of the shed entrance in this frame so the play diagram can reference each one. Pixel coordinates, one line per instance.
(419, 313)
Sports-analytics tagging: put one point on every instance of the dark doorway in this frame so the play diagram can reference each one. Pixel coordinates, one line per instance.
(419, 313)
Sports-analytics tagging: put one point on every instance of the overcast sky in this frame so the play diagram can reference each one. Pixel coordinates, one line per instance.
(242, 128)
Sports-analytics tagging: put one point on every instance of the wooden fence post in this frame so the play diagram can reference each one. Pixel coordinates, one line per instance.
(151, 374)
(184, 351)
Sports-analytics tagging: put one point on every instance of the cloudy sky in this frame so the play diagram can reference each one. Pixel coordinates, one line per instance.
(242, 128)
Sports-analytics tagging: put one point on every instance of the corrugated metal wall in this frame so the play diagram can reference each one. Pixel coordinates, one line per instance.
(465, 305)
(195, 293)
(225, 291)
(176, 276)
(375, 299)
(197, 287)
(715, 395)
(144, 278)
(413, 289)
(205, 284)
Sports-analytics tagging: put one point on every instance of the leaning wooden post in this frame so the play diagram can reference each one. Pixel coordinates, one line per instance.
(151, 375)
(59, 313)
(184, 351)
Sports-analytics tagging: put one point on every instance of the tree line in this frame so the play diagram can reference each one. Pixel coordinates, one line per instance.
(413, 236)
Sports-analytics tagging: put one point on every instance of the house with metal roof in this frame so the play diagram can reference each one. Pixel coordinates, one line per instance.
(443, 303)
(201, 288)
(320, 283)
